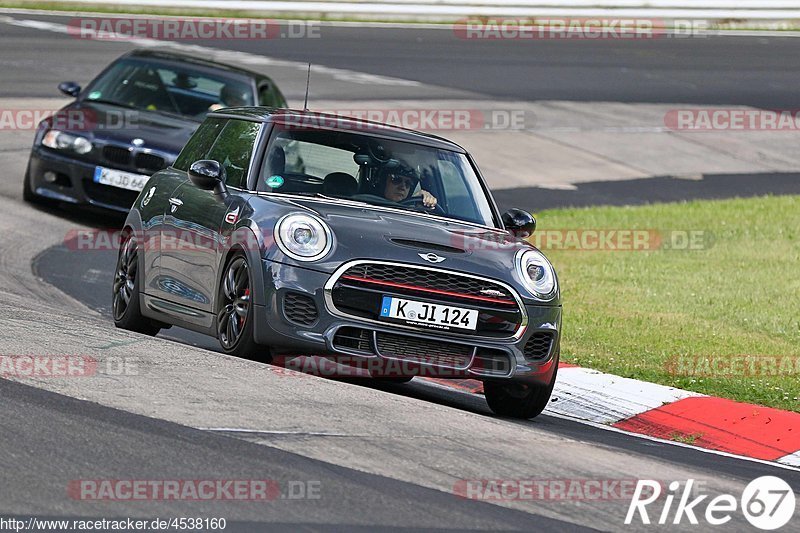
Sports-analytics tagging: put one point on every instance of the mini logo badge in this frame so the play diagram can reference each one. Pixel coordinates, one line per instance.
(137, 141)
(491, 292)
(432, 258)
(148, 196)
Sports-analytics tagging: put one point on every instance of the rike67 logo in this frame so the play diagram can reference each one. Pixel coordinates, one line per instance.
(768, 503)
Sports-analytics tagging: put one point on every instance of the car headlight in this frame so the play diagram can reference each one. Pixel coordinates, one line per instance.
(537, 273)
(58, 140)
(303, 237)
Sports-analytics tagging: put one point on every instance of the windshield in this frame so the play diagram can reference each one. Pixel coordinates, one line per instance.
(374, 170)
(153, 86)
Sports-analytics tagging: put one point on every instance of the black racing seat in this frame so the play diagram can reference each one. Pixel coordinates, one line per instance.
(340, 185)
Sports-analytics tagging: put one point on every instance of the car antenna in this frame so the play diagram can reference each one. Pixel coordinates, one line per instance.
(308, 78)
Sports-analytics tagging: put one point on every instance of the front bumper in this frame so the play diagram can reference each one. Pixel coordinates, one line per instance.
(74, 182)
(384, 347)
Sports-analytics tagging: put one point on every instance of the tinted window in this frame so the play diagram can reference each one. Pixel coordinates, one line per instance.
(371, 169)
(234, 149)
(169, 88)
(269, 95)
(199, 145)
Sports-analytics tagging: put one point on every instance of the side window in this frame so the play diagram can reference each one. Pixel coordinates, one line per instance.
(459, 202)
(234, 149)
(200, 143)
(268, 95)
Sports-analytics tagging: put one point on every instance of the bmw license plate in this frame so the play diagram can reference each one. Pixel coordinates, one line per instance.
(118, 178)
(434, 316)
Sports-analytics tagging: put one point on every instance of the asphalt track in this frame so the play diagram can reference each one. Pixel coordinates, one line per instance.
(47, 439)
(755, 71)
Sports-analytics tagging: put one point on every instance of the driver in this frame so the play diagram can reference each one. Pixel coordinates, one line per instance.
(399, 183)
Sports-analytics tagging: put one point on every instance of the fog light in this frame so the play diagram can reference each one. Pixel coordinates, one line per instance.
(50, 177)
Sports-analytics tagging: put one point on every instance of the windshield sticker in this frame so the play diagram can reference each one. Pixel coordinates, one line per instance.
(94, 95)
(274, 182)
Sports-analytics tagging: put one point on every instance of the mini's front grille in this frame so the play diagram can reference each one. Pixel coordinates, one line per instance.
(360, 289)
(117, 155)
(150, 162)
(489, 362)
(538, 346)
(349, 338)
(431, 281)
(424, 351)
(299, 308)
(108, 195)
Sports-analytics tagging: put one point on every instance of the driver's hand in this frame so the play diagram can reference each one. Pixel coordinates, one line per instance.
(428, 200)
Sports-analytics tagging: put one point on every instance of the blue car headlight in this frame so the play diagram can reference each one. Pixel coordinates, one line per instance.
(58, 140)
(537, 274)
(303, 237)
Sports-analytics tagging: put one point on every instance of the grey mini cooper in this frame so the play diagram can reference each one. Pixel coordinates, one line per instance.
(286, 233)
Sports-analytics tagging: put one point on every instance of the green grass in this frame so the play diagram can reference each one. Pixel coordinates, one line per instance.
(685, 438)
(631, 312)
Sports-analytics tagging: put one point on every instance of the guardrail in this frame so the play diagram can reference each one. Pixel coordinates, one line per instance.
(454, 9)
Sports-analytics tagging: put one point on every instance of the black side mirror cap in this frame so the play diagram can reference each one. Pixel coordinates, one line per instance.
(208, 175)
(70, 88)
(519, 222)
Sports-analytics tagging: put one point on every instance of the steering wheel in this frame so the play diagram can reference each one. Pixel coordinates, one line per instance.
(416, 201)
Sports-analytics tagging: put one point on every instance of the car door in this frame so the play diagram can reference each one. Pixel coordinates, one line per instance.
(196, 148)
(199, 224)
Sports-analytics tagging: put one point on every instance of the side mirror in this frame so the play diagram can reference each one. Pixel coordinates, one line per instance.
(208, 175)
(519, 222)
(70, 88)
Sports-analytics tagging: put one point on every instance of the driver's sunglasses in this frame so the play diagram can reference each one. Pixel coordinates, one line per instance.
(409, 182)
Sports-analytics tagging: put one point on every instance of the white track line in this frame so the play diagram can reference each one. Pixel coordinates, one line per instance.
(224, 56)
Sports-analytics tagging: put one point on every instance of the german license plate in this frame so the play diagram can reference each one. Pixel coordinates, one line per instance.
(118, 178)
(434, 316)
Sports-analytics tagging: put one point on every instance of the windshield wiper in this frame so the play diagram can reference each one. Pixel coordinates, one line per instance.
(133, 107)
(111, 102)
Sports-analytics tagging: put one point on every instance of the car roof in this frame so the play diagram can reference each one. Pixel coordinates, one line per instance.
(163, 55)
(326, 121)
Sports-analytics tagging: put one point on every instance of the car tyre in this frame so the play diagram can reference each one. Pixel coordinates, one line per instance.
(235, 313)
(516, 399)
(127, 281)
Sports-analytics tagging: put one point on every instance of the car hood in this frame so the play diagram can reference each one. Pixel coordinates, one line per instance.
(362, 232)
(118, 125)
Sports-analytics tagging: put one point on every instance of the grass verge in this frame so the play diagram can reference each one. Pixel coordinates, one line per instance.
(722, 319)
